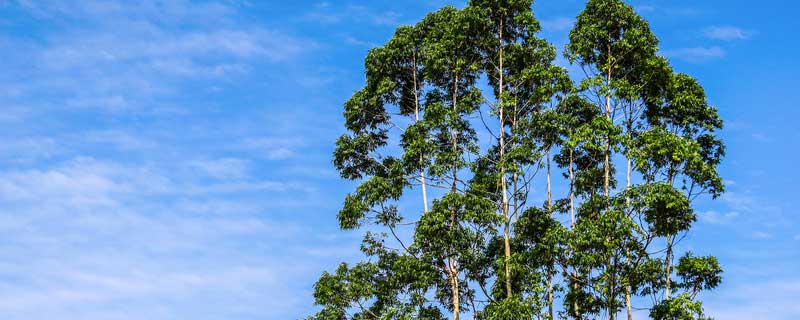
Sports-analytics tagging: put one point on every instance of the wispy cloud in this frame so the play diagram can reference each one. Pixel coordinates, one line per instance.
(762, 235)
(328, 13)
(558, 24)
(746, 301)
(225, 168)
(715, 217)
(696, 54)
(727, 33)
(120, 55)
(271, 148)
(97, 235)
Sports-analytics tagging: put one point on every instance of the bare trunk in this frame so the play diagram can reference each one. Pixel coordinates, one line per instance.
(503, 182)
(607, 171)
(416, 119)
(453, 265)
(572, 223)
(549, 186)
(571, 191)
(607, 165)
(455, 295)
(552, 263)
(550, 295)
(611, 290)
(628, 307)
(628, 302)
(668, 262)
(669, 265)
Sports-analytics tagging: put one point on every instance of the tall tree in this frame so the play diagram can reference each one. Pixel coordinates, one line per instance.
(478, 244)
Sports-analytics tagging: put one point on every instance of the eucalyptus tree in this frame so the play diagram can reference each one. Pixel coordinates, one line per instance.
(631, 83)
(477, 244)
(678, 155)
(524, 80)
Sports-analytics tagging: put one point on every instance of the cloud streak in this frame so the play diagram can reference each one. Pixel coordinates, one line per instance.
(727, 33)
(697, 54)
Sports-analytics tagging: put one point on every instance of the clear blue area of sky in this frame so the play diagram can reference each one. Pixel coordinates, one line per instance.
(171, 160)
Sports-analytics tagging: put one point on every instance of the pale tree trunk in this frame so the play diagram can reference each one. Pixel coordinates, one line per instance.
(667, 295)
(607, 165)
(611, 292)
(572, 223)
(416, 120)
(503, 182)
(668, 262)
(628, 306)
(607, 168)
(453, 265)
(454, 288)
(551, 267)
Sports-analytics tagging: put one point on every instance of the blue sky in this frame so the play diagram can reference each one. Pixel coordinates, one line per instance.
(171, 160)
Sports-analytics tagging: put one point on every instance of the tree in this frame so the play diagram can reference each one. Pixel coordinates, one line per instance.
(462, 111)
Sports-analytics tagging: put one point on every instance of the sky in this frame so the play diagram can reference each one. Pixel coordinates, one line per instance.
(172, 159)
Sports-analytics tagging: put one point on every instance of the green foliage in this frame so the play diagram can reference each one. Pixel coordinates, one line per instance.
(433, 95)
(664, 208)
(610, 35)
(698, 273)
(679, 308)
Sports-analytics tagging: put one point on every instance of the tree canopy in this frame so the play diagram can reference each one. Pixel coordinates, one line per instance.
(464, 130)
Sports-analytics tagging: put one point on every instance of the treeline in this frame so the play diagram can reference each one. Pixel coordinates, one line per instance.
(466, 114)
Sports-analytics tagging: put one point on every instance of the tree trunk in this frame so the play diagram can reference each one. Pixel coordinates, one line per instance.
(552, 263)
(607, 165)
(503, 182)
(453, 265)
(572, 224)
(455, 294)
(628, 307)
(668, 263)
(416, 120)
(550, 294)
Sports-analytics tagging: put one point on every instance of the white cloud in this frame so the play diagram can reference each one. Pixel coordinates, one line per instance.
(715, 217)
(697, 54)
(761, 235)
(326, 13)
(747, 300)
(92, 237)
(271, 148)
(357, 42)
(761, 137)
(226, 168)
(558, 24)
(118, 55)
(727, 33)
(645, 8)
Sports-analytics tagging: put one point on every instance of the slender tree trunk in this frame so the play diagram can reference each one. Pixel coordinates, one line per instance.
(453, 267)
(668, 262)
(571, 190)
(549, 186)
(454, 287)
(667, 295)
(550, 295)
(611, 290)
(607, 164)
(503, 182)
(628, 306)
(552, 263)
(416, 120)
(572, 224)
